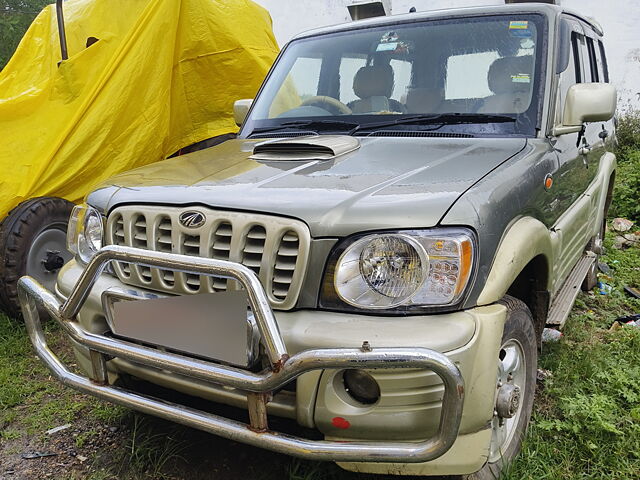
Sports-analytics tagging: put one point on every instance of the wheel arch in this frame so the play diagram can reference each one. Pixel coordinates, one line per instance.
(522, 268)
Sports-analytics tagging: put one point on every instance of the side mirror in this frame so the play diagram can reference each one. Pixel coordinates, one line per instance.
(587, 102)
(240, 110)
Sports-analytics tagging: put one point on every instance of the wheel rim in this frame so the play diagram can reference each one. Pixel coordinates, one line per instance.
(52, 241)
(511, 371)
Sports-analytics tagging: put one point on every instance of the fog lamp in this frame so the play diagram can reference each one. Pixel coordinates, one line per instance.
(361, 386)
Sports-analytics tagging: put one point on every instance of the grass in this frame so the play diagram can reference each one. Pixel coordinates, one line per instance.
(586, 424)
(24, 385)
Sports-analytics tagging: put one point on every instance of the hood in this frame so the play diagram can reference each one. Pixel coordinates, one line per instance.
(388, 182)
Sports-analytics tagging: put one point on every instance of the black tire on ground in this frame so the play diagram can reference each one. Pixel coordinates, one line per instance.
(30, 231)
(519, 328)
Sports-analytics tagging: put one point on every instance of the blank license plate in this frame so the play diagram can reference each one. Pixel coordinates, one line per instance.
(212, 325)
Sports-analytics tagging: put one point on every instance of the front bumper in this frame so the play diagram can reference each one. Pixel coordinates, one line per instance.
(259, 386)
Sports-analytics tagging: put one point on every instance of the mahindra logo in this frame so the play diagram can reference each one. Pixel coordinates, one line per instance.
(192, 219)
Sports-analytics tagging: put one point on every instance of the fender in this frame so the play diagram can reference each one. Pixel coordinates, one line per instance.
(524, 240)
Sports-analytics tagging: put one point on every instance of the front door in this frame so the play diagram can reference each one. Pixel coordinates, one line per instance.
(577, 163)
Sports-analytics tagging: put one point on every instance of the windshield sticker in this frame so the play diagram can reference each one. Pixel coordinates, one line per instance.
(390, 42)
(521, 78)
(389, 37)
(520, 28)
(387, 47)
(519, 25)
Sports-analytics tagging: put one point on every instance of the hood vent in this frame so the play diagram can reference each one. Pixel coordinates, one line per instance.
(314, 147)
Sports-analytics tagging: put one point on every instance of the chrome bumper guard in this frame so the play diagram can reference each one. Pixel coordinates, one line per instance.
(258, 386)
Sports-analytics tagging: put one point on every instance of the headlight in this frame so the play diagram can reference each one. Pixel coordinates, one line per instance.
(413, 269)
(85, 232)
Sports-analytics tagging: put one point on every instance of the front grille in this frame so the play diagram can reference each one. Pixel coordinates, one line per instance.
(275, 248)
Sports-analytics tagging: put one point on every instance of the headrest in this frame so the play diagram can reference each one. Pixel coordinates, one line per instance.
(511, 74)
(374, 81)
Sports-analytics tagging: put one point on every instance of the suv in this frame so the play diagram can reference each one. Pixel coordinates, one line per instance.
(409, 202)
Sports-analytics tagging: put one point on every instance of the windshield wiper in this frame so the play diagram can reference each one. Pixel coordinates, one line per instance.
(314, 125)
(441, 119)
(354, 127)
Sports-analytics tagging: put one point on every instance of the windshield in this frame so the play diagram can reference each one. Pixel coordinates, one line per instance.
(476, 75)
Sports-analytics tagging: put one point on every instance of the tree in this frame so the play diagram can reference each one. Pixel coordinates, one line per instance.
(15, 18)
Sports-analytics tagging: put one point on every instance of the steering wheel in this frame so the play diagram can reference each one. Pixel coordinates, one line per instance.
(323, 101)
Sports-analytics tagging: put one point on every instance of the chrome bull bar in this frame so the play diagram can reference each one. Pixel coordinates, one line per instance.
(258, 386)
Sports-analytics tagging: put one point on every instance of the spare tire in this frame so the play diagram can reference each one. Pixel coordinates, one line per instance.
(32, 242)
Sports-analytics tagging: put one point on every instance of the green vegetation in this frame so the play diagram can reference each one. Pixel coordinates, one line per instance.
(587, 419)
(626, 202)
(15, 18)
(586, 424)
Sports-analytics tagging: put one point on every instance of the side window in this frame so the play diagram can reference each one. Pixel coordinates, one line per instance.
(570, 76)
(593, 64)
(602, 62)
(349, 66)
(579, 51)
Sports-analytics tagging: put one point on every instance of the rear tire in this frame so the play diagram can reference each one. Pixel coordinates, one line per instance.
(32, 242)
(518, 359)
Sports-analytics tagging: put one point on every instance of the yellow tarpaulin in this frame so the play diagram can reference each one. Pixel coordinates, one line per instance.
(163, 75)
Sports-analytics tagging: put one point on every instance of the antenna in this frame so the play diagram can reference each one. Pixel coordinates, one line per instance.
(63, 37)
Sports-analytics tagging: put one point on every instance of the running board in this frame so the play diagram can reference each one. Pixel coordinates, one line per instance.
(566, 297)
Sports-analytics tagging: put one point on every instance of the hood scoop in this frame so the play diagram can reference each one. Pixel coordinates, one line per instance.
(313, 147)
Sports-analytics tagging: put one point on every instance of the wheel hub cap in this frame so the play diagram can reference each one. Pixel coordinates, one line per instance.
(508, 401)
(509, 392)
(47, 254)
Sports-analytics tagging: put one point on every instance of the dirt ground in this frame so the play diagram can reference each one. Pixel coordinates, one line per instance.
(136, 446)
(99, 441)
(143, 447)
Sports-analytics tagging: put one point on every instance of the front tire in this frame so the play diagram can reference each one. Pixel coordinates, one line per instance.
(517, 366)
(32, 242)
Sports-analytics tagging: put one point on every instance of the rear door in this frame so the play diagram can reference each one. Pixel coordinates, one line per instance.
(598, 136)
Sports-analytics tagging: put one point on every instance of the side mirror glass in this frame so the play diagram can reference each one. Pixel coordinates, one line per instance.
(240, 110)
(587, 102)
